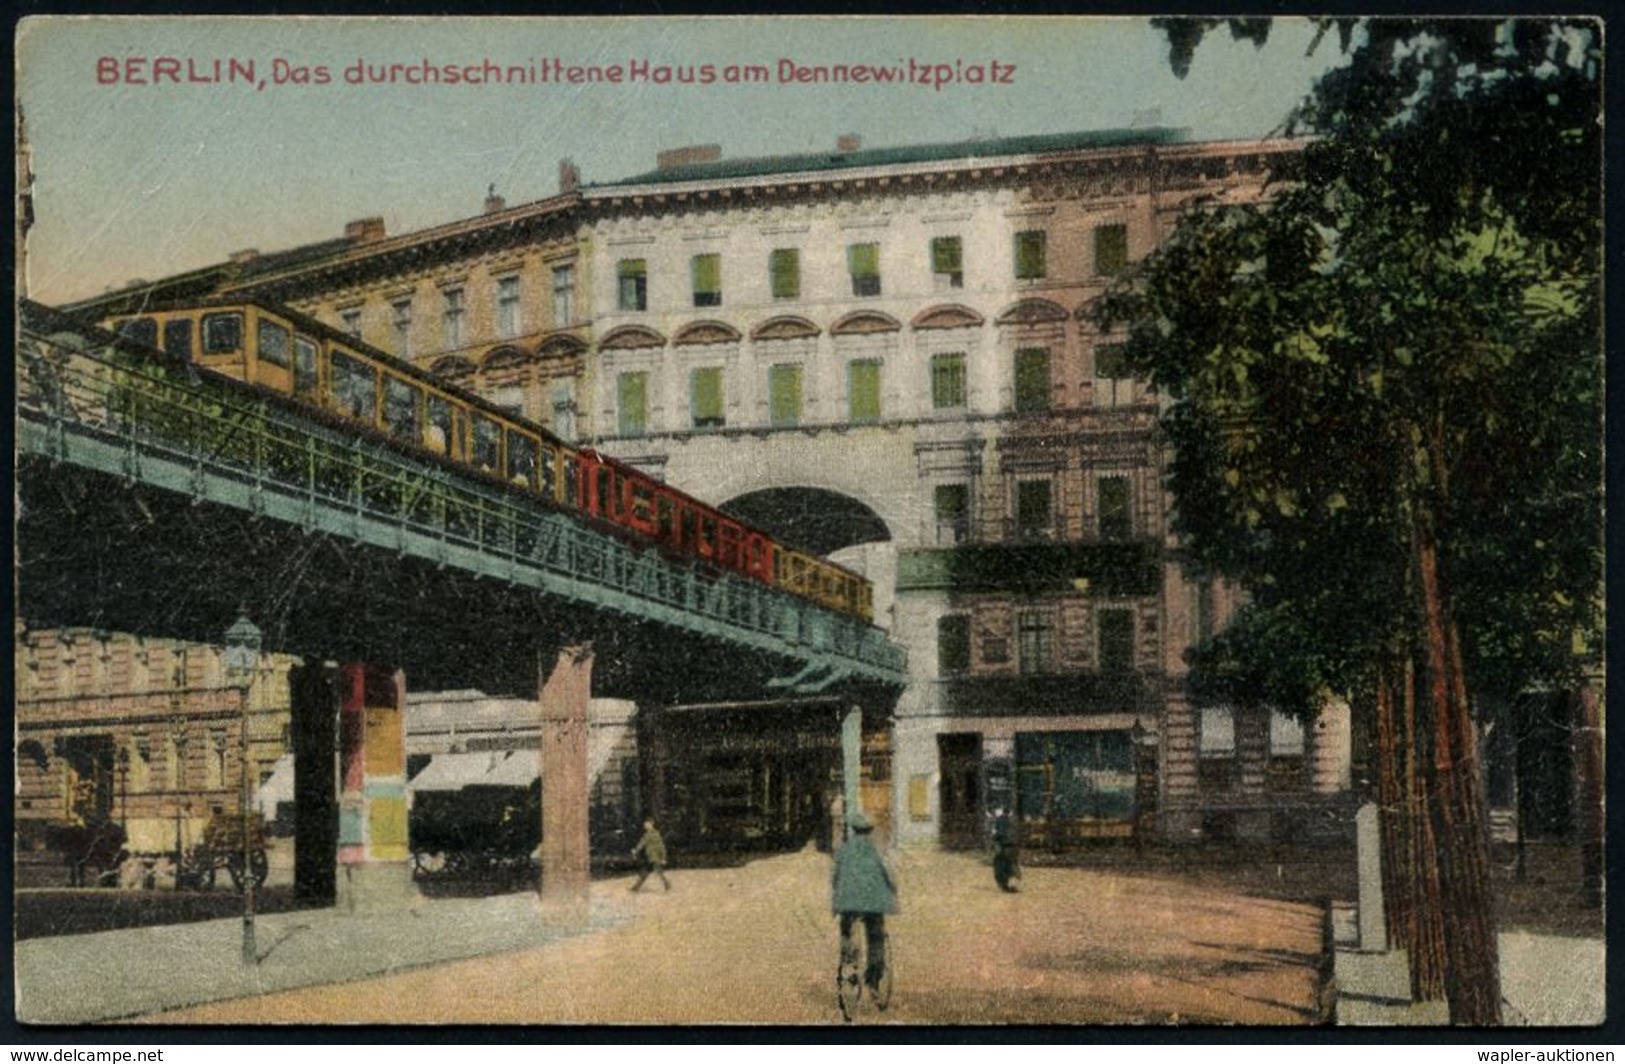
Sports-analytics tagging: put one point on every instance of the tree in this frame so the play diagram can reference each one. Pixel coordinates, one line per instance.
(1356, 439)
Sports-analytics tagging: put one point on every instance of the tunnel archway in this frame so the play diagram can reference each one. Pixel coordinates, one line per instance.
(815, 520)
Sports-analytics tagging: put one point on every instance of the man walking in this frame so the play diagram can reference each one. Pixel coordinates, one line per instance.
(653, 850)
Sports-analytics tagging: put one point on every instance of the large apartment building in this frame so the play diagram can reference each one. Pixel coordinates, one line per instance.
(886, 355)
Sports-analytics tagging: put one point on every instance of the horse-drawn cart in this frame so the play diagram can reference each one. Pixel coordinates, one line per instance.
(222, 847)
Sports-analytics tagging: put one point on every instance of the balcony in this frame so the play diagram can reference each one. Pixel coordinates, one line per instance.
(1052, 694)
(1116, 569)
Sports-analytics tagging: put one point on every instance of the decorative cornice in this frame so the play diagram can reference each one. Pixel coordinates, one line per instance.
(784, 327)
(860, 322)
(1032, 312)
(706, 332)
(946, 316)
(629, 337)
(503, 357)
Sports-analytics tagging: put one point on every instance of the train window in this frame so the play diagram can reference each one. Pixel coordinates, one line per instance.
(604, 492)
(141, 330)
(222, 333)
(355, 386)
(304, 366)
(685, 518)
(728, 536)
(707, 535)
(178, 338)
(643, 502)
(550, 471)
(437, 433)
(401, 408)
(665, 519)
(487, 444)
(522, 458)
(273, 343)
(572, 476)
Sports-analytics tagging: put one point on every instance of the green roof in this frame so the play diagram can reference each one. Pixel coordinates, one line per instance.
(917, 153)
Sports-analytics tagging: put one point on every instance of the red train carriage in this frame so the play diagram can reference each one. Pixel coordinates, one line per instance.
(316, 364)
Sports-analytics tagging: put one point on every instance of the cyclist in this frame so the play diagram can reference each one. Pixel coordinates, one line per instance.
(863, 887)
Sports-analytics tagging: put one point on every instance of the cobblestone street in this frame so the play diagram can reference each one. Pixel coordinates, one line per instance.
(756, 944)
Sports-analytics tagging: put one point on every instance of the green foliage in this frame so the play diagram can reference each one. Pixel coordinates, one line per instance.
(1411, 326)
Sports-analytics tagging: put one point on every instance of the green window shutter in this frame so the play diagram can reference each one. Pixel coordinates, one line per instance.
(633, 397)
(784, 269)
(1110, 361)
(863, 391)
(1115, 520)
(1111, 249)
(706, 395)
(947, 381)
(784, 389)
(863, 259)
(1030, 247)
(633, 288)
(946, 255)
(953, 644)
(707, 274)
(1032, 379)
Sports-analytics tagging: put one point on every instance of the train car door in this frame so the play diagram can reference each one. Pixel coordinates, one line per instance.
(223, 346)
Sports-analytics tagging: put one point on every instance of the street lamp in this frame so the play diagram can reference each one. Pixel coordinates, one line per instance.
(241, 657)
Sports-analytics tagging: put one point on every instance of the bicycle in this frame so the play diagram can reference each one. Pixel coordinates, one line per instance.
(849, 980)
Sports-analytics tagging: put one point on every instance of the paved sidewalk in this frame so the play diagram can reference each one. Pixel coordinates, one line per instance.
(114, 975)
(1546, 981)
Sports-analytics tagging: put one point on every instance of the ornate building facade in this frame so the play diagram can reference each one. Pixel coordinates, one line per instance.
(887, 356)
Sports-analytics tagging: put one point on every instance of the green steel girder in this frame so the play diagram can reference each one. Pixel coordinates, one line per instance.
(87, 399)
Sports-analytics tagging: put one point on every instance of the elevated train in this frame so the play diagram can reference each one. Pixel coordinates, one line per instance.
(280, 349)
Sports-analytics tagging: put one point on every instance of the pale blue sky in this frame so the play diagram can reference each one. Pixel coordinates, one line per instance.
(147, 180)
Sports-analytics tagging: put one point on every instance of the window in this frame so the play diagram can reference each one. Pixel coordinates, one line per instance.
(863, 391)
(401, 409)
(304, 366)
(1111, 250)
(863, 262)
(632, 396)
(1217, 732)
(953, 513)
(784, 395)
(402, 320)
(487, 443)
(1110, 362)
(522, 459)
(634, 284)
(1033, 509)
(705, 397)
(273, 343)
(222, 333)
(784, 273)
(140, 330)
(1030, 254)
(564, 296)
(706, 272)
(1116, 641)
(350, 321)
(1286, 735)
(1116, 523)
(437, 434)
(1033, 639)
(354, 384)
(564, 410)
(953, 644)
(178, 338)
(452, 317)
(947, 381)
(508, 307)
(947, 263)
(1032, 380)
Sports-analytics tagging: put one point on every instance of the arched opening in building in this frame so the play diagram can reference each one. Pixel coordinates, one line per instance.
(815, 520)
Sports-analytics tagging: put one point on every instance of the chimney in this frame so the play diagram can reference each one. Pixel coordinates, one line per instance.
(493, 202)
(245, 255)
(847, 143)
(569, 176)
(365, 230)
(689, 156)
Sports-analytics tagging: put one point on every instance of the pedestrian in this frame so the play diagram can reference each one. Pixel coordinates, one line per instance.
(863, 887)
(1006, 853)
(653, 850)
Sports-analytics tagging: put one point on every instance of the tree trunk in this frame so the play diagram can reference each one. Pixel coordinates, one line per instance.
(1589, 773)
(1426, 923)
(1473, 978)
(1396, 882)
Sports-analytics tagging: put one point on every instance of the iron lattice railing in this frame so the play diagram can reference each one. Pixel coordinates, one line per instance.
(86, 397)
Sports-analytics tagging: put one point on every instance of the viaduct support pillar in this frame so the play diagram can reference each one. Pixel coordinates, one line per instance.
(851, 767)
(374, 860)
(565, 691)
